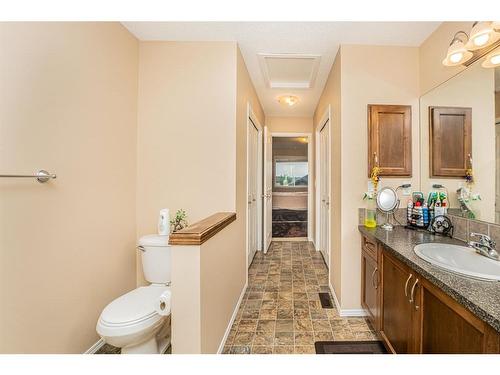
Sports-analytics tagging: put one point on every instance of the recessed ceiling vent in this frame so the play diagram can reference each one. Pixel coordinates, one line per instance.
(291, 71)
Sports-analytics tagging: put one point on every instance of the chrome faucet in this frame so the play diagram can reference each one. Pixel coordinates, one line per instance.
(485, 246)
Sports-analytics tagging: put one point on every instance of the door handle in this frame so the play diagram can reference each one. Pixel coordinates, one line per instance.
(412, 294)
(406, 285)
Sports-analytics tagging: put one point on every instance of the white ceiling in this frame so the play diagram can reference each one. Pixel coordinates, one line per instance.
(314, 38)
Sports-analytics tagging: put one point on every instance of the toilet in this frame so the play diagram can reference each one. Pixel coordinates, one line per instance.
(131, 322)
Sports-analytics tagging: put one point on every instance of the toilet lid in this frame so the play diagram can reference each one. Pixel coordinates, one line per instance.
(133, 307)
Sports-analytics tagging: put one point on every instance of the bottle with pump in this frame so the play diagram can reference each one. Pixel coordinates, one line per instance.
(164, 222)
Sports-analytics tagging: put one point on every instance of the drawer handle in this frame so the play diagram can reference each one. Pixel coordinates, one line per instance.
(412, 294)
(406, 285)
(374, 284)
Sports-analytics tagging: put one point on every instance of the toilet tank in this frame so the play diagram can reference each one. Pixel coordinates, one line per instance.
(155, 254)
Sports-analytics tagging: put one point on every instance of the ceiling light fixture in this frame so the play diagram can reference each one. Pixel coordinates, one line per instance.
(289, 100)
(457, 52)
(482, 35)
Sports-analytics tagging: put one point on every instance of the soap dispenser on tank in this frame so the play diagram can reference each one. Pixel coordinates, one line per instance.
(164, 222)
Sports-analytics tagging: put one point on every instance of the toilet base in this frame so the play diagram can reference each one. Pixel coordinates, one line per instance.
(146, 347)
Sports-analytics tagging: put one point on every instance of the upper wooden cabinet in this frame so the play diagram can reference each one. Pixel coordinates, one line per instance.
(389, 139)
(450, 137)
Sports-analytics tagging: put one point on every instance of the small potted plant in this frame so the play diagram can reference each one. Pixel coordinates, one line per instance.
(179, 221)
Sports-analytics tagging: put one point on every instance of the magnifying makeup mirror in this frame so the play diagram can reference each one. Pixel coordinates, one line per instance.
(387, 202)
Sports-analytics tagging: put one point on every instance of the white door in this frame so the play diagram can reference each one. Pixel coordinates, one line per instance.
(267, 195)
(324, 180)
(253, 144)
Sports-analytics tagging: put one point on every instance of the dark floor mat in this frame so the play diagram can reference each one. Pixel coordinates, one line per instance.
(289, 229)
(289, 215)
(326, 300)
(350, 347)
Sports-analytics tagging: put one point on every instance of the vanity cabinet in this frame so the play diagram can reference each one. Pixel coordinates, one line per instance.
(370, 281)
(412, 315)
(447, 327)
(399, 314)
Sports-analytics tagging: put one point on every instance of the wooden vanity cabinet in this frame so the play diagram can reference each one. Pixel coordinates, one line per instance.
(412, 315)
(370, 281)
(399, 320)
(447, 327)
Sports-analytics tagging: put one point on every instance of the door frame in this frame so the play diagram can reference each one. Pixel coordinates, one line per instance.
(252, 120)
(310, 202)
(324, 119)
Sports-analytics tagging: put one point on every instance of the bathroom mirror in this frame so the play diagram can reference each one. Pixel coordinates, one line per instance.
(387, 199)
(387, 202)
(460, 134)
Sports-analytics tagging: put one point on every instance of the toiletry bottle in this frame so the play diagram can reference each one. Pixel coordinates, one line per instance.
(163, 222)
(425, 215)
(409, 211)
(371, 214)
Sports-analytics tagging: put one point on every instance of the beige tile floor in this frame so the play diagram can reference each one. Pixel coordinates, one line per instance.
(281, 311)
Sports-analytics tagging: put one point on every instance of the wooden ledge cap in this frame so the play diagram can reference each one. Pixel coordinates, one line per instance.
(202, 231)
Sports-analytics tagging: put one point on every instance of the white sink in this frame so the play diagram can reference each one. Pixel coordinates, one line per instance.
(459, 259)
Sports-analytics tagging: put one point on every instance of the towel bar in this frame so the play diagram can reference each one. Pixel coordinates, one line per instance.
(41, 176)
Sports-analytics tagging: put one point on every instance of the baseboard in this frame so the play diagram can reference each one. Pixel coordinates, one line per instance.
(94, 348)
(231, 321)
(345, 313)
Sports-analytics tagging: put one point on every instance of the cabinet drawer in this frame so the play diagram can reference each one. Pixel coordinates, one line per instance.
(370, 247)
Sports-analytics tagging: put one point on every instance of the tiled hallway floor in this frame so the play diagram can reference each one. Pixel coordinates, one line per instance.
(281, 311)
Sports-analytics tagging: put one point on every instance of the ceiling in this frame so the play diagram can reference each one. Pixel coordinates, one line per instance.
(316, 43)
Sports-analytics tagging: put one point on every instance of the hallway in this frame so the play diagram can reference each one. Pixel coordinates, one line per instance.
(281, 312)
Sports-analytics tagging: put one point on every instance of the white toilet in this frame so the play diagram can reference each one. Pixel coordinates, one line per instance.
(131, 322)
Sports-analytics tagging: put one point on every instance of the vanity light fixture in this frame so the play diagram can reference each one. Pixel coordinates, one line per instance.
(492, 60)
(289, 100)
(457, 52)
(482, 35)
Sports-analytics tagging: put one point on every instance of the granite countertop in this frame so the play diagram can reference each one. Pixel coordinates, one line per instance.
(482, 298)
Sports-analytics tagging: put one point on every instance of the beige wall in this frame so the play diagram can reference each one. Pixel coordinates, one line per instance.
(290, 124)
(186, 153)
(69, 96)
(362, 75)
(192, 129)
(474, 88)
(370, 75)
(433, 51)
(331, 99)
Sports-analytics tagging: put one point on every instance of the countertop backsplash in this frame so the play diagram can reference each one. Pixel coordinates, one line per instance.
(462, 226)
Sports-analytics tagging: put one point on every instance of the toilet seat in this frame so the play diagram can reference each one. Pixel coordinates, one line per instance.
(132, 312)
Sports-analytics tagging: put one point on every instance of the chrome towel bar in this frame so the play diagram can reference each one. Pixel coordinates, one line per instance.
(41, 176)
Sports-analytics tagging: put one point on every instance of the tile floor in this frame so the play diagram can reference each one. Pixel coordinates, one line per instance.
(281, 311)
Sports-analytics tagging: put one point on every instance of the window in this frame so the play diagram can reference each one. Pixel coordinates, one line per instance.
(291, 173)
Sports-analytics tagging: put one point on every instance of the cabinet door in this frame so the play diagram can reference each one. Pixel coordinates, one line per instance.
(389, 143)
(396, 320)
(369, 288)
(448, 328)
(450, 141)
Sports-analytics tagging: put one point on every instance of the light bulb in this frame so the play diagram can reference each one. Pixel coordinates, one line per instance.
(492, 61)
(456, 57)
(481, 40)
